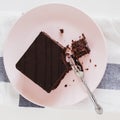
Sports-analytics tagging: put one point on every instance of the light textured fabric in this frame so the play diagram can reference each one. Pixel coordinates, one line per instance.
(111, 30)
(111, 78)
(107, 92)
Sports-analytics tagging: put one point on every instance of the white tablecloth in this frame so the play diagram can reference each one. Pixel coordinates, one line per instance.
(108, 98)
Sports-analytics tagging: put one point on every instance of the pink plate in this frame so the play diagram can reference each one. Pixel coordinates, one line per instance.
(50, 18)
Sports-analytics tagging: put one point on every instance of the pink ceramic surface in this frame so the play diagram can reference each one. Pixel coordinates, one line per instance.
(50, 18)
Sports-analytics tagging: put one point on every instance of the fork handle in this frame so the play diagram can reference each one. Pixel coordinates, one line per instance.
(98, 108)
(80, 74)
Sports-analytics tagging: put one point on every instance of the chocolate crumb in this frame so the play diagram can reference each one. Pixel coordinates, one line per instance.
(65, 85)
(90, 60)
(72, 41)
(67, 46)
(87, 69)
(83, 36)
(62, 30)
(80, 47)
(95, 65)
(73, 80)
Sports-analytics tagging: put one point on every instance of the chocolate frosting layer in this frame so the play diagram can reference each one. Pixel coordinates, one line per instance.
(44, 62)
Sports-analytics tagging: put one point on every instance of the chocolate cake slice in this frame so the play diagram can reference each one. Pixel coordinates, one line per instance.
(80, 47)
(44, 62)
(77, 49)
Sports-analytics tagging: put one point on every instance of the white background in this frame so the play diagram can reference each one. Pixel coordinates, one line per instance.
(106, 8)
(109, 8)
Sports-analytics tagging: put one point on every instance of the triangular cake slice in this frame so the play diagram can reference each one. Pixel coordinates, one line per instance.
(44, 62)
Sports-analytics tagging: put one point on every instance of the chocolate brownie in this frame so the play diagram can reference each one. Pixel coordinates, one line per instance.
(44, 62)
(80, 47)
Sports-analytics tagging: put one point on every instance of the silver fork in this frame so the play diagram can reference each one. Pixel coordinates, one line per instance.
(80, 74)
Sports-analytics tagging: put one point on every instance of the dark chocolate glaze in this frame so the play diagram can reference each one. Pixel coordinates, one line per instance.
(44, 62)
